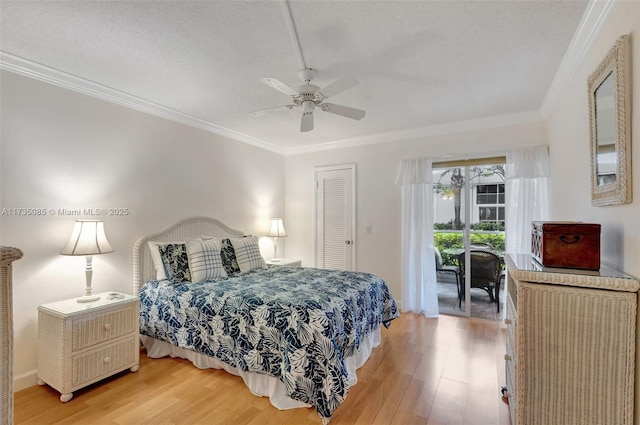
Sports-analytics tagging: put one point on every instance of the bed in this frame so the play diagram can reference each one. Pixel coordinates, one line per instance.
(295, 335)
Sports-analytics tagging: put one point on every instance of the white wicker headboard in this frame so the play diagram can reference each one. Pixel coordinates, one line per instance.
(191, 227)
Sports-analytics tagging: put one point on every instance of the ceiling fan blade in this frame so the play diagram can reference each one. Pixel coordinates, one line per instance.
(345, 111)
(279, 85)
(269, 110)
(338, 86)
(306, 123)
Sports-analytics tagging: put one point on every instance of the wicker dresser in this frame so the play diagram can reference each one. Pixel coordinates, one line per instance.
(571, 338)
(81, 343)
(7, 256)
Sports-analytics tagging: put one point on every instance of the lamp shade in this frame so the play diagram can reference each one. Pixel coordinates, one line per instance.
(87, 238)
(276, 228)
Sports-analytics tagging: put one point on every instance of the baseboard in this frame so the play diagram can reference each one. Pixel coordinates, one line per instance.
(25, 380)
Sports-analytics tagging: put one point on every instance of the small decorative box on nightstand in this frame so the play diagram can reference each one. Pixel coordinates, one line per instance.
(285, 262)
(82, 343)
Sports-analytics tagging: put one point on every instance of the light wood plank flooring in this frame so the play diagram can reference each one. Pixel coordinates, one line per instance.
(427, 371)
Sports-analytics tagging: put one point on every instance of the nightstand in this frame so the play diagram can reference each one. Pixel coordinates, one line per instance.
(285, 262)
(82, 343)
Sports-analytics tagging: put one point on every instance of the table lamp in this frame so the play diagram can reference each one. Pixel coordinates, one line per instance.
(276, 230)
(87, 238)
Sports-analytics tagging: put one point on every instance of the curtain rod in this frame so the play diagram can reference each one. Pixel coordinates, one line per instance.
(472, 161)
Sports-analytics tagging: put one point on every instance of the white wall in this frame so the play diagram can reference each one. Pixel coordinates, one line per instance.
(62, 149)
(569, 150)
(378, 197)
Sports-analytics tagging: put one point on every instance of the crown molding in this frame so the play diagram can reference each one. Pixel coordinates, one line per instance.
(59, 78)
(592, 22)
(25, 67)
(594, 18)
(421, 133)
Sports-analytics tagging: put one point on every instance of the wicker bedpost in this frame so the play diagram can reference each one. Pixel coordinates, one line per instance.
(7, 256)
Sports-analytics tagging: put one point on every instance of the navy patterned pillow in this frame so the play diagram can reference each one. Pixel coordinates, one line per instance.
(228, 255)
(176, 262)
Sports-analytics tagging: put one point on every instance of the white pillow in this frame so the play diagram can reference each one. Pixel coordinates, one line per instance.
(205, 262)
(154, 249)
(248, 253)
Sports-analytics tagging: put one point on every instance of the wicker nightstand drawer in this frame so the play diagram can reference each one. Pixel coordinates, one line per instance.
(94, 365)
(88, 331)
(81, 343)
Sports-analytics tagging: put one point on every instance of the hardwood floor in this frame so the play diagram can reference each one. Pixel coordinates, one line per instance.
(426, 371)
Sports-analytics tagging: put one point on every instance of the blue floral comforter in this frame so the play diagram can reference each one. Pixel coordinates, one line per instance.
(297, 324)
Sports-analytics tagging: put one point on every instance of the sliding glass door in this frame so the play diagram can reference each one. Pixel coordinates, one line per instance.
(449, 196)
(469, 213)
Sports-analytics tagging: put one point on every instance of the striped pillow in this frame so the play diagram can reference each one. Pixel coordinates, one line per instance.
(228, 255)
(205, 262)
(248, 253)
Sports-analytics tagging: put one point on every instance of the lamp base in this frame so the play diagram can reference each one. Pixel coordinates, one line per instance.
(88, 298)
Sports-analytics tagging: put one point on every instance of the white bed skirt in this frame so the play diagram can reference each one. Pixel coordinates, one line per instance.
(259, 384)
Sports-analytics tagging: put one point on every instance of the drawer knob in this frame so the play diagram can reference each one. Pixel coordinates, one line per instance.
(107, 360)
(107, 326)
(507, 321)
(508, 357)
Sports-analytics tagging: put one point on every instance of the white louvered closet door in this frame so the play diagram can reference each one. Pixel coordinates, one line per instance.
(335, 217)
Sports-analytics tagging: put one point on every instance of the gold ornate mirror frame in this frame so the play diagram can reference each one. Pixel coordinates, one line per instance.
(610, 126)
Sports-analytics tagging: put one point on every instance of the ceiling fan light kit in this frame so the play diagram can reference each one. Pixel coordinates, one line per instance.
(308, 96)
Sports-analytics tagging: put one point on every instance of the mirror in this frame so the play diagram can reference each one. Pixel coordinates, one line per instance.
(605, 133)
(610, 127)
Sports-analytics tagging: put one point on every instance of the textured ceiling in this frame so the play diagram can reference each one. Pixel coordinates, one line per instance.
(419, 63)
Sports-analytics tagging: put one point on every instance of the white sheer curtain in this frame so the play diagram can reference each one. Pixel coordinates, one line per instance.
(527, 188)
(419, 284)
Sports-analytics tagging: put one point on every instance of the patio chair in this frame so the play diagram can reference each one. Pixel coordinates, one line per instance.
(485, 274)
(440, 268)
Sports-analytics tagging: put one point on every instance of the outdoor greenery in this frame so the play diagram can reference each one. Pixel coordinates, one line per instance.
(489, 226)
(450, 242)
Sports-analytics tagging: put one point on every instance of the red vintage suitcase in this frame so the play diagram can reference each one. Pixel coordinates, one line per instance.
(567, 244)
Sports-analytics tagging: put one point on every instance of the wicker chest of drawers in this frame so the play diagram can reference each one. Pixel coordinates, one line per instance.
(570, 345)
(82, 343)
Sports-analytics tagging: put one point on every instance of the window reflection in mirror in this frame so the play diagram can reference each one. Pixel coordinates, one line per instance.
(606, 160)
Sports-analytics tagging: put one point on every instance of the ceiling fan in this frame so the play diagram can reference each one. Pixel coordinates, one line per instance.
(308, 97)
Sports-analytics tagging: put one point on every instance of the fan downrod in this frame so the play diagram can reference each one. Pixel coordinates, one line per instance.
(307, 74)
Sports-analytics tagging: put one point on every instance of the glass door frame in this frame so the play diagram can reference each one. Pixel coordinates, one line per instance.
(466, 242)
(465, 166)
(466, 232)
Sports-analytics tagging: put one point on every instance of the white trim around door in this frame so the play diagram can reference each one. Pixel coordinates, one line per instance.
(335, 216)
